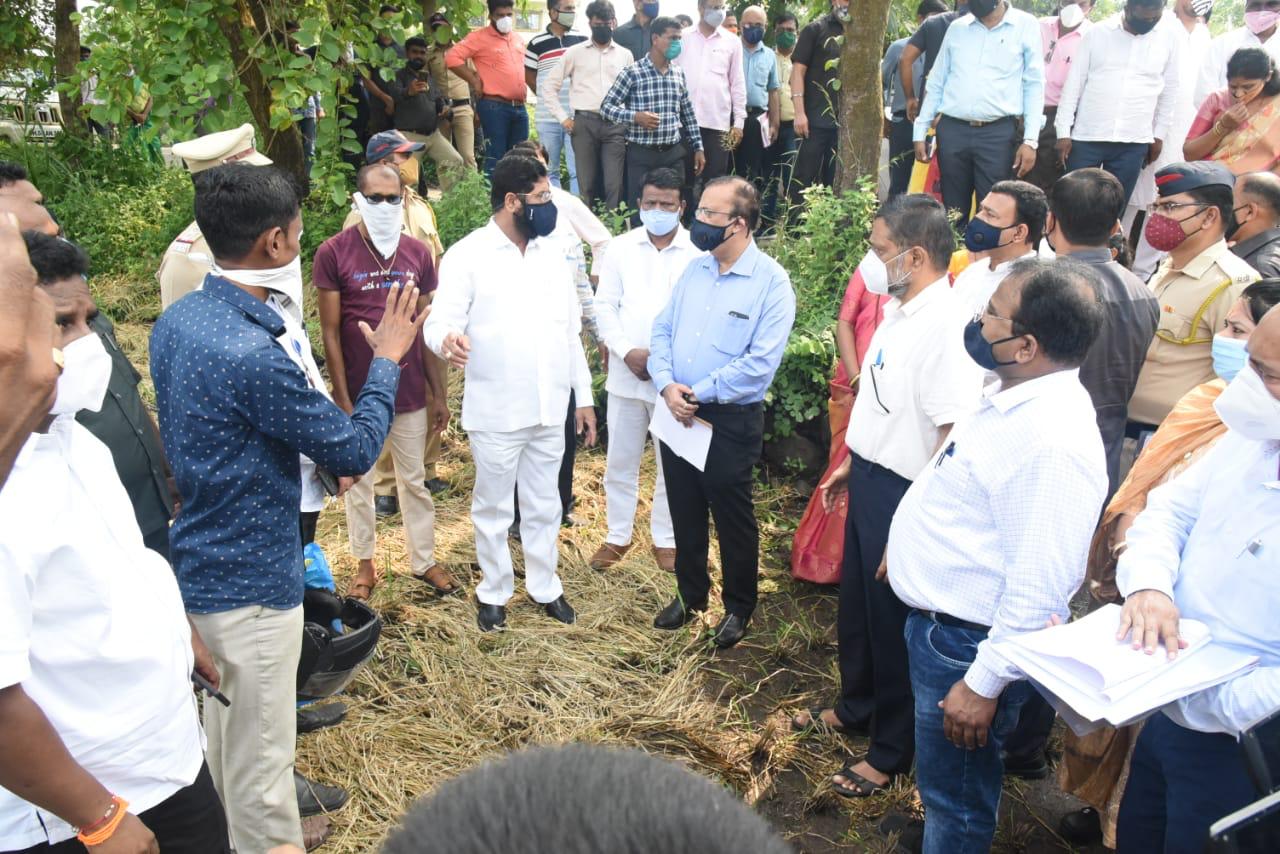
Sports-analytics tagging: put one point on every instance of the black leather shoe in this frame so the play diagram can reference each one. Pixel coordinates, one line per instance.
(316, 798)
(561, 610)
(436, 486)
(730, 631)
(312, 718)
(386, 505)
(1033, 767)
(675, 615)
(491, 617)
(1082, 827)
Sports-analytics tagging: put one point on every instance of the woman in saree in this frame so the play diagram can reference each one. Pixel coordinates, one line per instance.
(1240, 125)
(1095, 767)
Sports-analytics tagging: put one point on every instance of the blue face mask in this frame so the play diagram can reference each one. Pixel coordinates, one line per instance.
(650, 10)
(659, 222)
(537, 220)
(981, 236)
(753, 34)
(980, 349)
(706, 236)
(1229, 356)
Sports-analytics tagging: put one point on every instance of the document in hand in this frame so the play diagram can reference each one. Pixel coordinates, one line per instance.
(1091, 678)
(688, 443)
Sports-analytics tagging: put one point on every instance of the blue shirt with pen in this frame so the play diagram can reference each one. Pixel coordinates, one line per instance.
(723, 334)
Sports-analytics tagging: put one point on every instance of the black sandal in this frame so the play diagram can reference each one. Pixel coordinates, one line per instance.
(862, 787)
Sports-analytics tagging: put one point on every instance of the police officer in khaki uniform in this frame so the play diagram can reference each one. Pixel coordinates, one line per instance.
(419, 222)
(187, 260)
(1196, 285)
(458, 124)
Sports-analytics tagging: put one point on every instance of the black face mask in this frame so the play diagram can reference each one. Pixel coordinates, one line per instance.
(982, 8)
(417, 64)
(1139, 27)
(601, 34)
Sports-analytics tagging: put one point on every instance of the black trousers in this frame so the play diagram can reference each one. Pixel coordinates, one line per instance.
(902, 156)
(158, 541)
(719, 163)
(750, 160)
(815, 163)
(1031, 735)
(640, 159)
(971, 159)
(191, 821)
(724, 488)
(875, 680)
(307, 526)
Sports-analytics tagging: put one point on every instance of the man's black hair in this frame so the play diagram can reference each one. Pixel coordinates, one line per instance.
(667, 808)
(1146, 4)
(1260, 297)
(1220, 197)
(915, 219)
(664, 178)
(1030, 206)
(1058, 305)
(495, 5)
(514, 173)
(553, 4)
(784, 17)
(12, 172)
(659, 26)
(533, 147)
(235, 206)
(1264, 187)
(746, 198)
(930, 7)
(1086, 204)
(1253, 63)
(55, 259)
(601, 9)
(416, 41)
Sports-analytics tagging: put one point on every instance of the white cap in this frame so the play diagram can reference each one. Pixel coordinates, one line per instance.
(215, 149)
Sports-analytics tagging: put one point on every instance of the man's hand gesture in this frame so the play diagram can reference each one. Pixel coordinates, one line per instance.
(399, 327)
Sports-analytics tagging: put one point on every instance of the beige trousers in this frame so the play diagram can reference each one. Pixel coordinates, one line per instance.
(460, 129)
(384, 473)
(251, 742)
(449, 163)
(407, 440)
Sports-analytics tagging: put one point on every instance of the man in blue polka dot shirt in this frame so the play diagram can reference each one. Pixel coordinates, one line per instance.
(238, 402)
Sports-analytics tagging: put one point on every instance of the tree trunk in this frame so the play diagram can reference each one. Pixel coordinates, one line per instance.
(861, 98)
(66, 54)
(284, 147)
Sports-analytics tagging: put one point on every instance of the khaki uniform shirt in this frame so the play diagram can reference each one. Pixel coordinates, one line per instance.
(786, 106)
(184, 265)
(419, 222)
(1194, 302)
(451, 84)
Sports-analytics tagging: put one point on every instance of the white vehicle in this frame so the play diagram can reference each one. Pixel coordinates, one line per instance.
(24, 118)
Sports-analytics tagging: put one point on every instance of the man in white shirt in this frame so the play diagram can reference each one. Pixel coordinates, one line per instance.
(1117, 106)
(599, 146)
(635, 283)
(991, 539)
(506, 312)
(101, 737)
(1007, 226)
(1218, 521)
(1259, 30)
(916, 381)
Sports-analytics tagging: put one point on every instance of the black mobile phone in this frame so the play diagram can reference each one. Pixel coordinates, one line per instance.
(1260, 742)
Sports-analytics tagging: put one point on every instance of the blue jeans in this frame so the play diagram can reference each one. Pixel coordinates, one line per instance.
(1180, 782)
(553, 137)
(504, 124)
(1124, 160)
(960, 789)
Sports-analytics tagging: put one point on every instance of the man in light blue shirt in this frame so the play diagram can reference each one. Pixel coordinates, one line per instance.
(760, 68)
(987, 92)
(898, 125)
(713, 353)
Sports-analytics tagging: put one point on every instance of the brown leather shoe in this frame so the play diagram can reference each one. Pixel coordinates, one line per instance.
(440, 581)
(316, 830)
(666, 558)
(607, 555)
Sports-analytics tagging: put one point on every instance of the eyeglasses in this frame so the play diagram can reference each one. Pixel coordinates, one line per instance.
(535, 198)
(703, 213)
(1167, 208)
(988, 312)
(379, 198)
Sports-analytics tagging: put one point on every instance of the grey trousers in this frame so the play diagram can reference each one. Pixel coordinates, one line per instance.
(971, 159)
(600, 150)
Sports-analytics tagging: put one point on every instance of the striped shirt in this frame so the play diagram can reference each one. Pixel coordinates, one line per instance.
(544, 52)
(642, 88)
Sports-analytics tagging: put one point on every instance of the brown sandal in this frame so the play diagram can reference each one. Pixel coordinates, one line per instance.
(440, 581)
(356, 586)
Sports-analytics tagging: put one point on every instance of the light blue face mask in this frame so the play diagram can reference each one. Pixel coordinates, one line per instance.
(1229, 356)
(659, 222)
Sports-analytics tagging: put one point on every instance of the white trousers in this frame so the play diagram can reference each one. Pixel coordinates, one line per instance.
(628, 428)
(407, 441)
(251, 742)
(531, 456)
(1145, 257)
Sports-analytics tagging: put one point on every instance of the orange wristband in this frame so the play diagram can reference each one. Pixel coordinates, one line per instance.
(106, 831)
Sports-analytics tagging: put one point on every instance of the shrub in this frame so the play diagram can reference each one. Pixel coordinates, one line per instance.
(463, 208)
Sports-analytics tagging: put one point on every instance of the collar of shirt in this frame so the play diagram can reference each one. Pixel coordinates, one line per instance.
(640, 237)
(930, 294)
(744, 266)
(1091, 255)
(971, 20)
(1253, 244)
(1049, 29)
(1199, 265)
(255, 309)
(1004, 400)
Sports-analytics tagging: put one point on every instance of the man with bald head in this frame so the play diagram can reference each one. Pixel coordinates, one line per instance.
(1219, 520)
(1257, 235)
(760, 68)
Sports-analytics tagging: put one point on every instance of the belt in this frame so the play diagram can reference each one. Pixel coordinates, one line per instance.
(954, 622)
(461, 102)
(666, 147)
(754, 111)
(727, 408)
(509, 101)
(595, 113)
(976, 124)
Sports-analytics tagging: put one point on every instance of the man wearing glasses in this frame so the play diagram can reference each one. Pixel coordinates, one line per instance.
(352, 272)
(916, 382)
(1196, 285)
(636, 279)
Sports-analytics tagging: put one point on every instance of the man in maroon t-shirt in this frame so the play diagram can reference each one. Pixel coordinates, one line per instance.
(352, 272)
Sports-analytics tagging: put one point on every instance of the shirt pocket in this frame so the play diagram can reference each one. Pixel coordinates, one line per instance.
(1003, 55)
(1173, 327)
(732, 333)
(760, 75)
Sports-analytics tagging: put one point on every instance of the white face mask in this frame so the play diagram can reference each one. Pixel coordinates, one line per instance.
(505, 24)
(285, 280)
(713, 17)
(1248, 408)
(85, 374)
(1071, 16)
(875, 275)
(383, 223)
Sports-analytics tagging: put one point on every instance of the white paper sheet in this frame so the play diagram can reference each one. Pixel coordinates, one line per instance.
(765, 138)
(688, 443)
